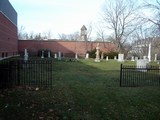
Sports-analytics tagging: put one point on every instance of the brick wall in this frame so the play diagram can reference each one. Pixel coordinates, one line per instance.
(8, 37)
(66, 47)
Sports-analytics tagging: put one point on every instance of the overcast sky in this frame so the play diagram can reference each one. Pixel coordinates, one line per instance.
(57, 16)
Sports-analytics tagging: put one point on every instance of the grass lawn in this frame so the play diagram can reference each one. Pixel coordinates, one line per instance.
(82, 90)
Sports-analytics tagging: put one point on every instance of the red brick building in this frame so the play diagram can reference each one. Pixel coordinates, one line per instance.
(8, 30)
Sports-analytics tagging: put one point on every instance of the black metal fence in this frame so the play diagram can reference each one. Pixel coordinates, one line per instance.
(36, 73)
(132, 76)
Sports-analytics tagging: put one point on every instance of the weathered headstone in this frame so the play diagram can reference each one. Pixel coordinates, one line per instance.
(97, 53)
(142, 64)
(120, 57)
(25, 55)
(76, 56)
(55, 56)
(115, 57)
(136, 58)
(42, 54)
(102, 56)
(132, 58)
(106, 58)
(155, 57)
(87, 56)
(59, 56)
(49, 54)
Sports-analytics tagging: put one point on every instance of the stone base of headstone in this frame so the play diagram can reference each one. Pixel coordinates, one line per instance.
(97, 60)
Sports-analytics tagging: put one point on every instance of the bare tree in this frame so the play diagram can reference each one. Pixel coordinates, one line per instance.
(70, 37)
(120, 17)
(154, 6)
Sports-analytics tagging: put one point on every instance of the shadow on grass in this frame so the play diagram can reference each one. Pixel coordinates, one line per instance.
(82, 90)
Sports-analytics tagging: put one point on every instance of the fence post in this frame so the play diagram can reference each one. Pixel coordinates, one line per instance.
(121, 76)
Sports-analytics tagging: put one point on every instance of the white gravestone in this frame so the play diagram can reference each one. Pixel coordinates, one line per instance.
(102, 56)
(42, 54)
(106, 58)
(132, 58)
(49, 54)
(55, 56)
(120, 57)
(25, 55)
(142, 64)
(115, 57)
(155, 57)
(59, 55)
(97, 53)
(76, 56)
(136, 58)
(87, 56)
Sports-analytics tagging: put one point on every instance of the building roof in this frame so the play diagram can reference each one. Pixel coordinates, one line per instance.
(83, 27)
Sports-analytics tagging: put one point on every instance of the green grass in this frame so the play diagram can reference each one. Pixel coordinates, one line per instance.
(82, 90)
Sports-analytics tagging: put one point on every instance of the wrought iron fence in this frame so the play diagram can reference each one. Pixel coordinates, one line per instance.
(132, 76)
(36, 73)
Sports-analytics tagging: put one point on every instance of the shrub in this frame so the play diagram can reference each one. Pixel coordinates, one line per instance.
(111, 54)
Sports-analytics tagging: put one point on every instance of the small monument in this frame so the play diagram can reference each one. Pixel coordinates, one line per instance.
(155, 57)
(87, 56)
(42, 54)
(121, 57)
(97, 53)
(149, 53)
(25, 55)
(59, 56)
(49, 54)
(106, 58)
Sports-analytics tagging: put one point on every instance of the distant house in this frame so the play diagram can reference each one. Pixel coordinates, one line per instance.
(140, 47)
(8, 30)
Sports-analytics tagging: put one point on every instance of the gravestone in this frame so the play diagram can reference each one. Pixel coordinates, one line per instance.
(25, 55)
(136, 58)
(102, 56)
(132, 58)
(155, 57)
(49, 54)
(120, 57)
(59, 56)
(42, 54)
(142, 64)
(106, 58)
(55, 56)
(87, 56)
(76, 56)
(97, 59)
(115, 57)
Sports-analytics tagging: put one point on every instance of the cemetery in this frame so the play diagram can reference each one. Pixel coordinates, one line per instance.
(81, 79)
(85, 89)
